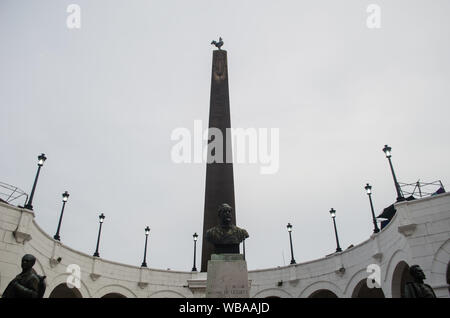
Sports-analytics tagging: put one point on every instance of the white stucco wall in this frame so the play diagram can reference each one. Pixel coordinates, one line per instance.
(418, 234)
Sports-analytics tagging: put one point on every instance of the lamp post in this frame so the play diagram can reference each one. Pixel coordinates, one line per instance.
(41, 160)
(387, 152)
(65, 197)
(195, 236)
(369, 193)
(147, 232)
(101, 218)
(289, 228)
(333, 216)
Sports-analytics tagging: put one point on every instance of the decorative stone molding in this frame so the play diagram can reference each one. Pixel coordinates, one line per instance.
(196, 283)
(340, 271)
(94, 273)
(407, 229)
(22, 232)
(142, 285)
(378, 256)
(340, 265)
(55, 259)
(197, 286)
(292, 272)
(143, 277)
(406, 226)
(376, 249)
(294, 282)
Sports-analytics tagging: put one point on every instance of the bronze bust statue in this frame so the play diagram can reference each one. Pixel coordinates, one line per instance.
(27, 284)
(418, 289)
(226, 237)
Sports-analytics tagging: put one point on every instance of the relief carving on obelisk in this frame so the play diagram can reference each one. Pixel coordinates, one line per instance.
(220, 68)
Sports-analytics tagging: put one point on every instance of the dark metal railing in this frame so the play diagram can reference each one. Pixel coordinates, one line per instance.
(422, 189)
(10, 193)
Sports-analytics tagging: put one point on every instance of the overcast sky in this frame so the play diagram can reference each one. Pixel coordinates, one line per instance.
(102, 101)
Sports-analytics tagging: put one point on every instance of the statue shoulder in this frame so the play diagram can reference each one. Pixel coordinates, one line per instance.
(242, 232)
(431, 293)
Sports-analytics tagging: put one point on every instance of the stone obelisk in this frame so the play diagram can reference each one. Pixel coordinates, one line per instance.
(219, 175)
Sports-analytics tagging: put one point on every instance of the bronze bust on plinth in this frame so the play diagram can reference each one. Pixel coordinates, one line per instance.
(226, 237)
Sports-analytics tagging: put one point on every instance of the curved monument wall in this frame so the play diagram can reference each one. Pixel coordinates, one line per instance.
(419, 234)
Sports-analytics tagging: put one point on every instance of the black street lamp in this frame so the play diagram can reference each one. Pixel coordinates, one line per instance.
(289, 228)
(41, 160)
(147, 232)
(369, 193)
(333, 216)
(195, 236)
(65, 197)
(101, 218)
(387, 152)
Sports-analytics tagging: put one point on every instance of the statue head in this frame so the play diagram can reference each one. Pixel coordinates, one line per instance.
(28, 261)
(225, 216)
(417, 273)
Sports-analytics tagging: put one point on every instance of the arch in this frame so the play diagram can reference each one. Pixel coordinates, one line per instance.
(440, 270)
(323, 293)
(272, 293)
(361, 290)
(400, 277)
(448, 276)
(113, 295)
(62, 279)
(167, 294)
(114, 291)
(388, 273)
(63, 291)
(312, 290)
(396, 257)
(355, 280)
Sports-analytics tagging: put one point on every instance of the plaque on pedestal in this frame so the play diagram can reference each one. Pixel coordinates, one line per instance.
(227, 277)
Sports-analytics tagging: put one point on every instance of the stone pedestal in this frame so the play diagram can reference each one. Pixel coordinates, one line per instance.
(227, 277)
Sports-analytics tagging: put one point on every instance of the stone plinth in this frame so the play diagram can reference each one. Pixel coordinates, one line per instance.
(227, 277)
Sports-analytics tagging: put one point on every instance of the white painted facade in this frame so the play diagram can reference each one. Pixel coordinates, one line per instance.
(419, 234)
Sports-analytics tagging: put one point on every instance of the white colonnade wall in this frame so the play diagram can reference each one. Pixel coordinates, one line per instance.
(418, 234)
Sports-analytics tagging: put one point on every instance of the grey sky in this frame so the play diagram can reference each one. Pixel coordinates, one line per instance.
(102, 101)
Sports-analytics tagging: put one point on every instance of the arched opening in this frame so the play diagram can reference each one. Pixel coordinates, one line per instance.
(448, 276)
(363, 291)
(399, 279)
(323, 293)
(63, 291)
(114, 295)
